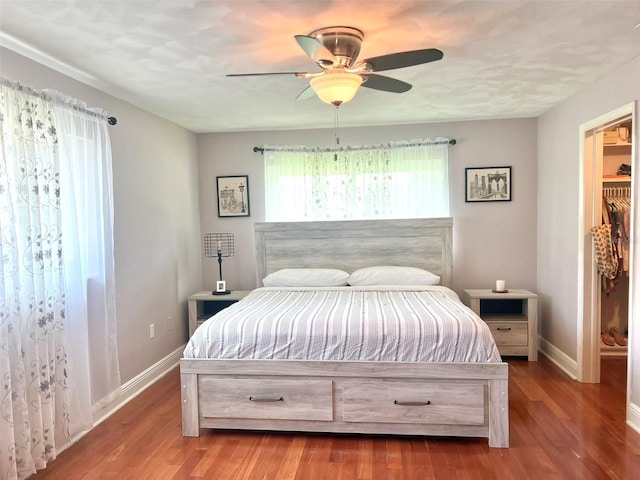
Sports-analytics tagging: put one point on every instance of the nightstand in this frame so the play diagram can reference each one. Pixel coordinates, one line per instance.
(512, 318)
(204, 304)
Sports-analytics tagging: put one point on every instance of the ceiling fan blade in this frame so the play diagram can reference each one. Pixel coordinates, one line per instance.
(297, 74)
(318, 52)
(387, 84)
(403, 59)
(306, 94)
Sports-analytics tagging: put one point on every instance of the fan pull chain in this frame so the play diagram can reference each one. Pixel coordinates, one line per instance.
(335, 133)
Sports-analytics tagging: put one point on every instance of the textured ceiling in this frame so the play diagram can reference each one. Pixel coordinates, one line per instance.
(502, 59)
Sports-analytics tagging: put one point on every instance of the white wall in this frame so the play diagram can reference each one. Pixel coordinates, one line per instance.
(558, 209)
(491, 240)
(157, 231)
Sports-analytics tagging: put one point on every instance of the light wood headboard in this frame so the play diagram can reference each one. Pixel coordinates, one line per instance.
(348, 245)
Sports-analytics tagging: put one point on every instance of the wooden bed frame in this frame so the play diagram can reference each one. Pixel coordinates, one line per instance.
(406, 398)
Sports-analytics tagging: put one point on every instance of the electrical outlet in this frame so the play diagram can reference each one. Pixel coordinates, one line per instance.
(152, 330)
(169, 322)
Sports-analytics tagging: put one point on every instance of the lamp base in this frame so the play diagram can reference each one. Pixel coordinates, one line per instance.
(226, 292)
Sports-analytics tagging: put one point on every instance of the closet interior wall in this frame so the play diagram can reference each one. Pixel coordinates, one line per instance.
(616, 194)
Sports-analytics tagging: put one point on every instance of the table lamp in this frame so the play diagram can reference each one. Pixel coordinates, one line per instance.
(219, 245)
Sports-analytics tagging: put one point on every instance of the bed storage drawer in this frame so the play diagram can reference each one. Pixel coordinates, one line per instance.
(266, 399)
(400, 402)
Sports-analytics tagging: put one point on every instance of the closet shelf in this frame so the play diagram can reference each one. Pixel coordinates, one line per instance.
(621, 144)
(617, 350)
(618, 178)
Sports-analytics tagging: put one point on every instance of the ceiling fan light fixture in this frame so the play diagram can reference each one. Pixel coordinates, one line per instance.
(336, 88)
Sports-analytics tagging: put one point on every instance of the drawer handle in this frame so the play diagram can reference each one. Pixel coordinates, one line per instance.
(266, 398)
(504, 329)
(412, 404)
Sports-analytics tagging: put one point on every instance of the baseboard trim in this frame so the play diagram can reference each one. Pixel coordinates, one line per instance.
(633, 416)
(138, 384)
(564, 362)
(129, 391)
(570, 367)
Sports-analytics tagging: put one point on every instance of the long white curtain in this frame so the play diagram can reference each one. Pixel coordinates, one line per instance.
(398, 180)
(87, 221)
(56, 278)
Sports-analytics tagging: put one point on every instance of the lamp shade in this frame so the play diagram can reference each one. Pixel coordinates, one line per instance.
(215, 243)
(336, 88)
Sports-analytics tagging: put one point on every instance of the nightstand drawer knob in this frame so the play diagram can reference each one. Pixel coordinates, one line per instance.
(504, 329)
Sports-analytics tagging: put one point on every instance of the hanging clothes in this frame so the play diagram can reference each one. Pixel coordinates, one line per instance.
(605, 258)
(616, 211)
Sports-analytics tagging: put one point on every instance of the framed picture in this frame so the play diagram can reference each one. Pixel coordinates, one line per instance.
(233, 196)
(221, 286)
(488, 184)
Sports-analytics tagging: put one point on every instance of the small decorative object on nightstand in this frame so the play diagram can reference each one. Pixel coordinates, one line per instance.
(202, 305)
(512, 317)
(500, 287)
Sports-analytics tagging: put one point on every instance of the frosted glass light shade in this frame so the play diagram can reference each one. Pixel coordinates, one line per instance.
(336, 88)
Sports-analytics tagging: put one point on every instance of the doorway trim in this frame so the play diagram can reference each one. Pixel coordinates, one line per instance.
(588, 351)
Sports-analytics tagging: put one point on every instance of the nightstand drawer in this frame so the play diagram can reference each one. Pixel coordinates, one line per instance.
(509, 333)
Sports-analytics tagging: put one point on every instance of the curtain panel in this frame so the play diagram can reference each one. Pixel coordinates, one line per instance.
(399, 180)
(56, 275)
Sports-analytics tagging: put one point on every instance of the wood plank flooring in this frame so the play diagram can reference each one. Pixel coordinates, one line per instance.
(560, 429)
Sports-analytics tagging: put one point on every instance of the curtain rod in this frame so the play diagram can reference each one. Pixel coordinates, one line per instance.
(87, 111)
(110, 120)
(48, 97)
(452, 141)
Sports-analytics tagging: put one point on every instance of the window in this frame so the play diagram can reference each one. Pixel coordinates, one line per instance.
(401, 180)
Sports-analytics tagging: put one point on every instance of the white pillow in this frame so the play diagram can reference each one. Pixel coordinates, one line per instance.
(389, 275)
(306, 277)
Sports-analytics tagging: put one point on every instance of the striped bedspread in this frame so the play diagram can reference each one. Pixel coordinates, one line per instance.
(414, 324)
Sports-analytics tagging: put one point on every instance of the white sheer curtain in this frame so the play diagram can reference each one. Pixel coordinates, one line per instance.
(87, 221)
(56, 277)
(397, 180)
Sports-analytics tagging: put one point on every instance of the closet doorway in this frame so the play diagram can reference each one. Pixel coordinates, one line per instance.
(607, 169)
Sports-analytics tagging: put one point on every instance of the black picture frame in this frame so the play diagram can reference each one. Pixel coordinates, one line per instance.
(233, 196)
(488, 184)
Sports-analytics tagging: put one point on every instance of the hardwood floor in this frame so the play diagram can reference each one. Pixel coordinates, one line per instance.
(560, 429)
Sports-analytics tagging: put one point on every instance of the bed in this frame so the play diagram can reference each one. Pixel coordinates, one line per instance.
(365, 394)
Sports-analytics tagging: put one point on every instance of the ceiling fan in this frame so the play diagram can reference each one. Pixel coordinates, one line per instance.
(335, 50)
